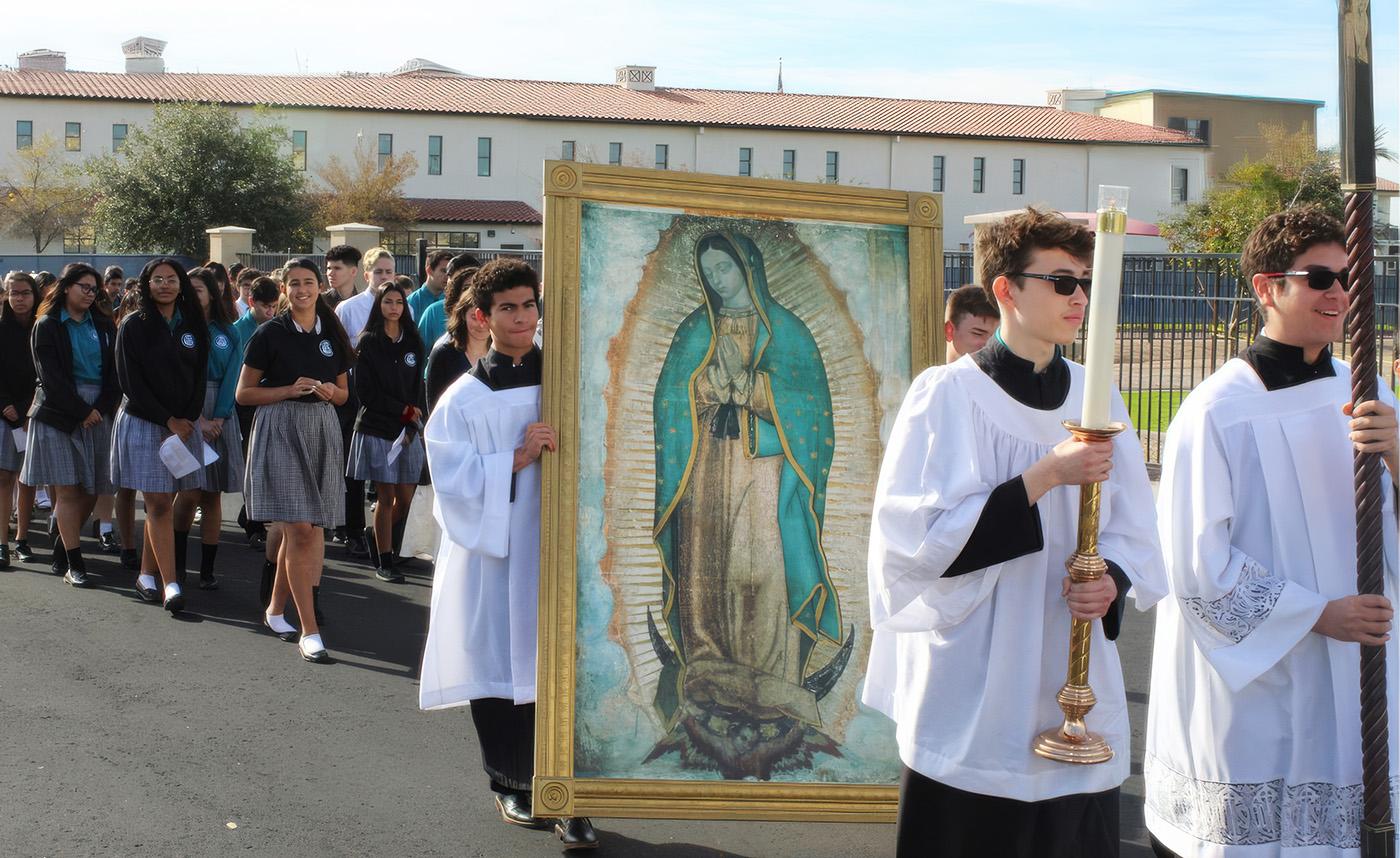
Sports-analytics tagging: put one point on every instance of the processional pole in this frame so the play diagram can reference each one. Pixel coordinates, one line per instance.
(1358, 165)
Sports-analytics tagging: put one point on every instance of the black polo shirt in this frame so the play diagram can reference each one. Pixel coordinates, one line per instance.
(285, 353)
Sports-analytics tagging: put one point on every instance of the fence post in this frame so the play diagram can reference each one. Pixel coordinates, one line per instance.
(361, 236)
(227, 242)
(422, 261)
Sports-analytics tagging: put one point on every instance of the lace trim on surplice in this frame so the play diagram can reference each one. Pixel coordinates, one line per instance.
(1237, 613)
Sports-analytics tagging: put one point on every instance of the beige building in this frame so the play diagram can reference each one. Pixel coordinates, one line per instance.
(1227, 124)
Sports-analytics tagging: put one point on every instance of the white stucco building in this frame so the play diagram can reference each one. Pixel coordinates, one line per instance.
(480, 142)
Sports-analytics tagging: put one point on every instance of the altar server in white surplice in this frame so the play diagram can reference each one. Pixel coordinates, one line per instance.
(484, 442)
(1253, 728)
(975, 514)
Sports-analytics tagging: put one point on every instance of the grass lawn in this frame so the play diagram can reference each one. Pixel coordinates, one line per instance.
(1153, 409)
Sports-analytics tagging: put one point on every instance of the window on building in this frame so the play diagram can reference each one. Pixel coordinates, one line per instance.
(24, 134)
(567, 150)
(73, 136)
(483, 156)
(745, 161)
(299, 150)
(938, 174)
(833, 166)
(615, 154)
(434, 155)
(979, 173)
(663, 156)
(789, 163)
(386, 149)
(1018, 175)
(82, 239)
(1180, 185)
(1195, 127)
(118, 137)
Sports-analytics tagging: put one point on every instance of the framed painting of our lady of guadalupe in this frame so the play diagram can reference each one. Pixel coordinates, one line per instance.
(723, 358)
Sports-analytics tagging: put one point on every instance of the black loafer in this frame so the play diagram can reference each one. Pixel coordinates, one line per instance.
(576, 832)
(208, 582)
(77, 577)
(23, 553)
(147, 594)
(108, 543)
(516, 810)
(289, 637)
(176, 603)
(320, 656)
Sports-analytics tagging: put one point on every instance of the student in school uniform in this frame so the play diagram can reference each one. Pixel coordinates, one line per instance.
(389, 385)
(70, 419)
(295, 372)
(16, 395)
(218, 427)
(162, 355)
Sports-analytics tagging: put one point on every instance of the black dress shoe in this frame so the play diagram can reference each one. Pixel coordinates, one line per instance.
(4, 556)
(147, 594)
(356, 547)
(176, 603)
(77, 577)
(131, 559)
(207, 581)
(289, 637)
(319, 656)
(338, 536)
(108, 543)
(516, 810)
(576, 832)
(23, 553)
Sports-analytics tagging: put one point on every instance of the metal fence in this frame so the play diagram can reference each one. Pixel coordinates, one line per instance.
(404, 263)
(1181, 317)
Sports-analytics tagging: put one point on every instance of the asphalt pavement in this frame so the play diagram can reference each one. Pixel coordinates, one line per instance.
(124, 731)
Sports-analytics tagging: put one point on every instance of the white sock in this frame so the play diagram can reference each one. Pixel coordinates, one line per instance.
(171, 590)
(278, 624)
(147, 581)
(104, 527)
(312, 643)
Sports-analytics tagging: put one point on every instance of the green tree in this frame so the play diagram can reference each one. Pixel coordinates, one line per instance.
(42, 194)
(195, 167)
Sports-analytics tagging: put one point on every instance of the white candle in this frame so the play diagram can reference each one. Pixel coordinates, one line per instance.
(1103, 306)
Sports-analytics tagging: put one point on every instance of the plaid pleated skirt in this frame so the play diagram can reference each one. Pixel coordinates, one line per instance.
(294, 471)
(136, 460)
(11, 459)
(226, 474)
(369, 460)
(78, 458)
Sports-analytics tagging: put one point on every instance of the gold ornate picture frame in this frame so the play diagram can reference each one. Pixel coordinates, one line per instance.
(780, 321)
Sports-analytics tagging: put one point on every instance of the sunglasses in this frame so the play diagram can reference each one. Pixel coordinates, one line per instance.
(1065, 284)
(1319, 277)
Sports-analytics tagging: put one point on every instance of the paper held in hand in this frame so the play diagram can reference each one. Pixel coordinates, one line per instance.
(20, 439)
(180, 461)
(398, 445)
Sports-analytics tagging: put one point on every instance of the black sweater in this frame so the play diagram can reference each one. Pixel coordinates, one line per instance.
(17, 381)
(388, 379)
(446, 364)
(162, 369)
(56, 399)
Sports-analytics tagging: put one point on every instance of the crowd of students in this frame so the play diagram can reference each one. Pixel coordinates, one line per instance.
(292, 388)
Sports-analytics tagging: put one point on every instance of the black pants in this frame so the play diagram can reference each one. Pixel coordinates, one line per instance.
(938, 821)
(506, 733)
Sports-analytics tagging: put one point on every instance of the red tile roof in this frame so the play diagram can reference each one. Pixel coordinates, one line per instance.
(536, 99)
(1387, 186)
(441, 210)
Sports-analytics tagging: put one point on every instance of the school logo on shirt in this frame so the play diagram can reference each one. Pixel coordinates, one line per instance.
(411, 359)
(326, 348)
(220, 342)
(187, 340)
(92, 334)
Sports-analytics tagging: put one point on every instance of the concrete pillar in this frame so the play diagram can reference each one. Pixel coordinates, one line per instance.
(361, 236)
(226, 242)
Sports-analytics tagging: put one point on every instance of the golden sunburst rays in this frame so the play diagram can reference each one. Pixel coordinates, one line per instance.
(667, 294)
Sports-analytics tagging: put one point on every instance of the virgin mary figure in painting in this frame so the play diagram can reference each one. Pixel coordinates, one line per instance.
(744, 443)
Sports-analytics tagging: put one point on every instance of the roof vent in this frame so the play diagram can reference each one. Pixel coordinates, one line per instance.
(143, 55)
(43, 59)
(639, 78)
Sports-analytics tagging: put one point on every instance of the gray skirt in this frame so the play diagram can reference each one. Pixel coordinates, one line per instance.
(11, 459)
(77, 458)
(369, 460)
(226, 474)
(294, 465)
(136, 460)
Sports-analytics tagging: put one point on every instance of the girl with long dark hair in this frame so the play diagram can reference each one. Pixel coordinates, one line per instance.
(219, 428)
(389, 385)
(70, 419)
(294, 371)
(468, 339)
(162, 350)
(16, 395)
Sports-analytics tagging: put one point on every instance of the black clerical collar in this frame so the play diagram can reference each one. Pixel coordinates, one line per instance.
(1045, 390)
(501, 372)
(1280, 365)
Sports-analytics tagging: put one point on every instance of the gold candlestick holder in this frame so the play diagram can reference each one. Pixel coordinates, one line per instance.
(1072, 742)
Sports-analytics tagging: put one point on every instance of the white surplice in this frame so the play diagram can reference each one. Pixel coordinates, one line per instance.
(482, 628)
(1253, 730)
(968, 666)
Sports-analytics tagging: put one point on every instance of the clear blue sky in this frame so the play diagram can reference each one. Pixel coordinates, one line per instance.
(985, 50)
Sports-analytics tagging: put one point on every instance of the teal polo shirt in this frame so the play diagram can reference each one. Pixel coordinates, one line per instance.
(87, 347)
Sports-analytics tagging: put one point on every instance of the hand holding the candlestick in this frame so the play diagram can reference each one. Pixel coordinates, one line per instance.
(1089, 600)
(1071, 463)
